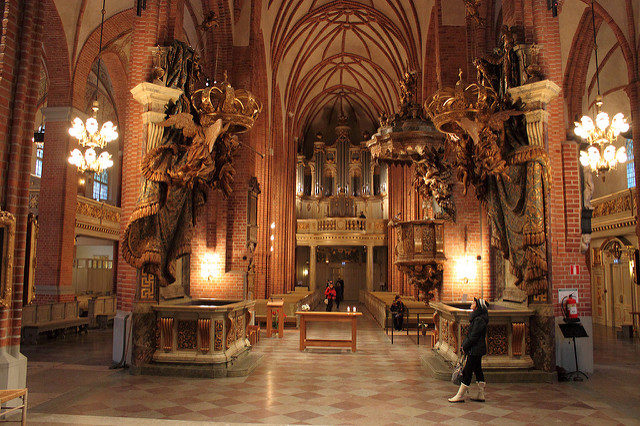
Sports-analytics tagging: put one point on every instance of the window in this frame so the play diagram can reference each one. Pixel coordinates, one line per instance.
(101, 186)
(631, 169)
(39, 156)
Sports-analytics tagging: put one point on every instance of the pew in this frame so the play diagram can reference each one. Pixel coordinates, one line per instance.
(52, 318)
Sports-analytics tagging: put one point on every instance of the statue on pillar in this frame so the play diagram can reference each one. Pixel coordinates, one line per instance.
(488, 134)
(195, 153)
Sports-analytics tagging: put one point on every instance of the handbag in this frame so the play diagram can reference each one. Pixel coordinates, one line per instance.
(456, 376)
(326, 301)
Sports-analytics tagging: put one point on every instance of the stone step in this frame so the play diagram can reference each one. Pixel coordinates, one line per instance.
(240, 367)
(440, 369)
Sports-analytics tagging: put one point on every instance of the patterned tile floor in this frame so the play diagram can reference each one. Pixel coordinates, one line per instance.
(70, 383)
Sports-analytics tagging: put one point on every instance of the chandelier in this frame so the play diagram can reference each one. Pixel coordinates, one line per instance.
(601, 155)
(91, 137)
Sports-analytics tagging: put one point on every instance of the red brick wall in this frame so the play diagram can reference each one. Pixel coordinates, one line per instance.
(20, 68)
(146, 34)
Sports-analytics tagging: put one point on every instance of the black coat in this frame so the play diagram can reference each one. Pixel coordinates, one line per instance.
(339, 290)
(475, 342)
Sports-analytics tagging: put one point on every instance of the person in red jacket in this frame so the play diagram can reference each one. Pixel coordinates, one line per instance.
(330, 295)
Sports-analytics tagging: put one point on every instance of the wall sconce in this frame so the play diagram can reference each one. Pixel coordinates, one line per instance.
(305, 272)
(209, 268)
(466, 268)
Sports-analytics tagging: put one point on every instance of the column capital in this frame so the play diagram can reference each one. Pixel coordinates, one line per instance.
(155, 96)
(52, 114)
(536, 95)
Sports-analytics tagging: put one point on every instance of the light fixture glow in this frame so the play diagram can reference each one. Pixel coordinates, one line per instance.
(90, 135)
(602, 154)
(209, 268)
(466, 268)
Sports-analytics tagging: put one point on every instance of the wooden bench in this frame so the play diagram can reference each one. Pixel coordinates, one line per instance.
(253, 333)
(9, 395)
(52, 318)
(292, 303)
(102, 309)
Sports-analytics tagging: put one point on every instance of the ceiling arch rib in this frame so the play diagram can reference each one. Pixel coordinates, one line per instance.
(341, 54)
(325, 107)
(362, 70)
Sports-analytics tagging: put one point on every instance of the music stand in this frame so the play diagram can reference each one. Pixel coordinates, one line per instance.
(572, 330)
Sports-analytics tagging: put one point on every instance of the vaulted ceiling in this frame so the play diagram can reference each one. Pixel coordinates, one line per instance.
(343, 57)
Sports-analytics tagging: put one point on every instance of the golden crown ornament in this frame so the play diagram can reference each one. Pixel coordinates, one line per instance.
(220, 100)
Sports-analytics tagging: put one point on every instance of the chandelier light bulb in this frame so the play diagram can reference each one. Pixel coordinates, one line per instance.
(584, 158)
(92, 126)
(602, 121)
(610, 153)
(621, 155)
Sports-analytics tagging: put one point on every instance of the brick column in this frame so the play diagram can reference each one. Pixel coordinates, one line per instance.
(20, 75)
(149, 30)
(563, 206)
(57, 209)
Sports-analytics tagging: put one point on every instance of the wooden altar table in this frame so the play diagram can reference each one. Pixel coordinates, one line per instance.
(313, 316)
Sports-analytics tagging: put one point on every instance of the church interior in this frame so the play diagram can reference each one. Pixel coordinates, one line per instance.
(295, 212)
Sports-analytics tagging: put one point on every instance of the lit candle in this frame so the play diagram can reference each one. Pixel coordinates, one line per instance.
(354, 309)
(348, 309)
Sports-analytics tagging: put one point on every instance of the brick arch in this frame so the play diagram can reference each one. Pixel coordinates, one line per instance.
(115, 27)
(118, 75)
(575, 76)
(627, 50)
(56, 57)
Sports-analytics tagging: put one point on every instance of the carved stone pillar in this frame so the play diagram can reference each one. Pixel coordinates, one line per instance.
(369, 268)
(536, 96)
(154, 98)
(312, 268)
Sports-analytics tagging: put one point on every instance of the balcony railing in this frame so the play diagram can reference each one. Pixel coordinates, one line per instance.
(92, 217)
(342, 225)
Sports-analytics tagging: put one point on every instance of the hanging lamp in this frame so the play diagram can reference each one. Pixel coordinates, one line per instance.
(602, 133)
(91, 137)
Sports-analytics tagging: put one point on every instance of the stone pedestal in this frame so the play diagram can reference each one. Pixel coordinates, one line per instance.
(154, 98)
(13, 368)
(536, 96)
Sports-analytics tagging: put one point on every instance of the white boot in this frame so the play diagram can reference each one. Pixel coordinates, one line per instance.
(462, 392)
(480, 396)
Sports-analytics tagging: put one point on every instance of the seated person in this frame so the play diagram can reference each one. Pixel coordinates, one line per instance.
(397, 309)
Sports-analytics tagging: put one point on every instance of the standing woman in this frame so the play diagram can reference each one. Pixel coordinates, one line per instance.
(339, 293)
(474, 346)
(330, 295)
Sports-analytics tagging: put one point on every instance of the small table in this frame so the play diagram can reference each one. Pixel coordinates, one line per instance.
(278, 307)
(9, 395)
(313, 316)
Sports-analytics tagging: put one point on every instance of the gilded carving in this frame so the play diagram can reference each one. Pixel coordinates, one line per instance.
(217, 336)
(187, 338)
(487, 133)
(166, 325)
(453, 335)
(231, 330)
(195, 154)
(8, 224)
(147, 287)
(497, 343)
(619, 204)
(517, 338)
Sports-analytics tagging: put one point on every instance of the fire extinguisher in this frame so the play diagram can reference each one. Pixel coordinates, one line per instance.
(569, 309)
